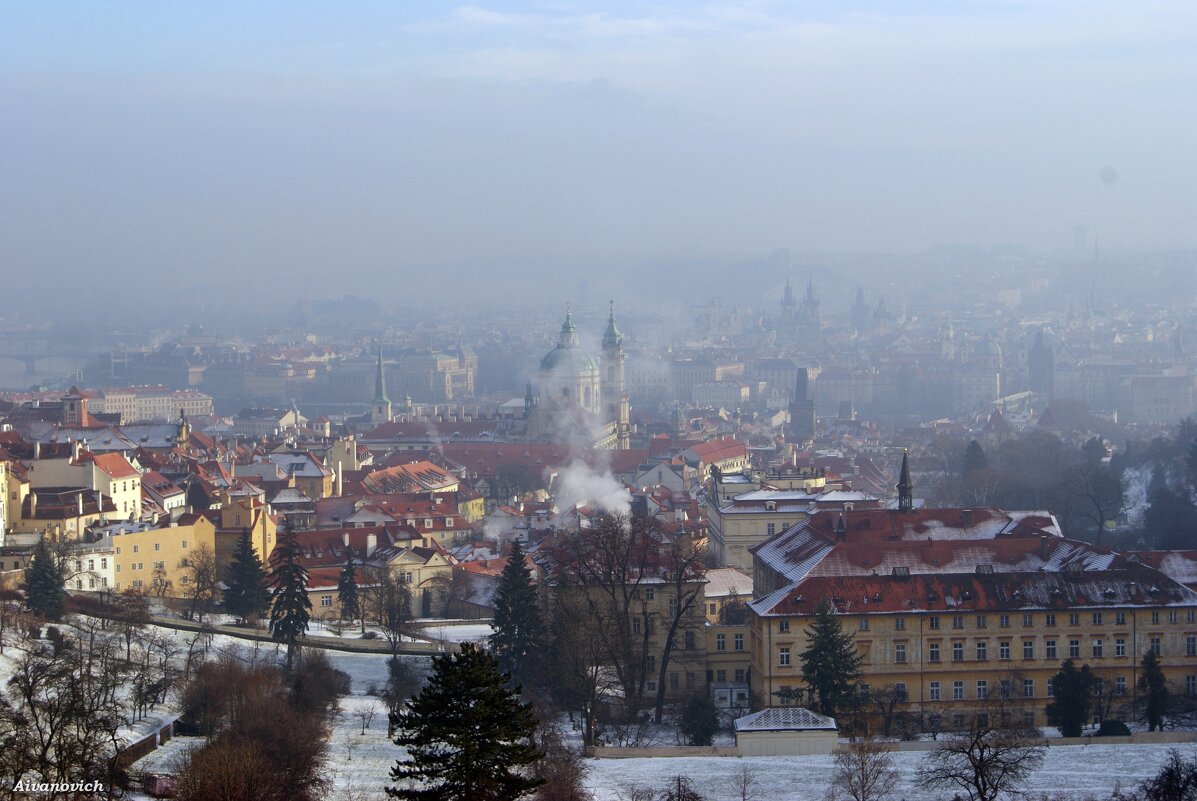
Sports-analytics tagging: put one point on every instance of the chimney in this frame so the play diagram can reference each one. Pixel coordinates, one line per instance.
(340, 479)
(79, 498)
(371, 544)
(75, 450)
(966, 516)
(345, 538)
(37, 449)
(32, 504)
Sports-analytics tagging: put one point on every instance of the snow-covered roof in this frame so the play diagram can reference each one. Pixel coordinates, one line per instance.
(724, 582)
(785, 718)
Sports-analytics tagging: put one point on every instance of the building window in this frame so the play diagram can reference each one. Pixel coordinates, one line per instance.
(1190, 685)
(982, 651)
(1028, 619)
(1155, 646)
(183, 544)
(1004, 688)
(900, 690)
(1098, 649)
(1051, 687)
(864, 624)
(1120, 618)
(1028, 688)
(980, 621)
(1190, 645)
(1120, 685)
(899, 624)
(739, 675)
(738, 642)
(958, 721)
(1074, 649)
(1049, 619)
(1050, 648)
(652, 664)
(1004, 649)
(157, 546)
(933, 652)
(720, 642)
(326, 600)
(1074, 618)
(721, 676)
(1120, 647)
(957, 652)
(958, 621)
(1028, 649)
(1172, 618)
(135, 548)
(636, 625)
(900, 652)
(982, 689)
(690, 641)
(1004, 621)
(673, 681)
(783, 657)
(1155, 617)
(770, 529)
(783, 626)
(104, 563)
(1097, 618)
(933, 622)
(1191, 616)
(957, 691)
(159, 565)
(933, 691)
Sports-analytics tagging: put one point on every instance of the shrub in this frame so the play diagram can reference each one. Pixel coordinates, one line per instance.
(1113, 728)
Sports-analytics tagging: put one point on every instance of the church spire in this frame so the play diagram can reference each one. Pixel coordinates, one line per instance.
(905, 487)
(612, 338)
(569, 334)
(380, 380)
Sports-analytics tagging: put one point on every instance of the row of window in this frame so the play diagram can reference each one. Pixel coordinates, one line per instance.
(982, 621)
(721, 642)
(157, 547)
(91, 564)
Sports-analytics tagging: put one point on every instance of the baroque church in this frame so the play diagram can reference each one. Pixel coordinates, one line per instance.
(580, 397)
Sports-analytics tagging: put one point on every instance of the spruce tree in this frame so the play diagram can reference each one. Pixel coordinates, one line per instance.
(290, 608)
(975, 460)
(519, 634)
(1154, 690)
(246, 594)
(351, 606)
(44, 590)
(830, 663)
(466, 734)
(1072, 704)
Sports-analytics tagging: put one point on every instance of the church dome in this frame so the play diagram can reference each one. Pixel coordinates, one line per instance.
(568, 359)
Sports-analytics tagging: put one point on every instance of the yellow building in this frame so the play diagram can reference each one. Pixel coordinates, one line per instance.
(954, 609)
(157, 561)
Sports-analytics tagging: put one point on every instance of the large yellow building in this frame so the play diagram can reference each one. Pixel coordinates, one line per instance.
(953, 609)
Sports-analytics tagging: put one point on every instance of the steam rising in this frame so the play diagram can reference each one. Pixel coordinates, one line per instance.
(580, 484)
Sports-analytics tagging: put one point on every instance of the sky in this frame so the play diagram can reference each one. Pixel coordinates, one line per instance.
(382, 147)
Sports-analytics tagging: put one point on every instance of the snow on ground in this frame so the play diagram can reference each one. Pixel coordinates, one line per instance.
(1071, 771)
(467, 632)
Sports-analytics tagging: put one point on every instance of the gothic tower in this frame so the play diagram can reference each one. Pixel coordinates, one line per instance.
(802, 411)
(905, 486)
(614, 390)
(380, 407)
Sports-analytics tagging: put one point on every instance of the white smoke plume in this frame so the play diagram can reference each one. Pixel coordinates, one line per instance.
(579, 484)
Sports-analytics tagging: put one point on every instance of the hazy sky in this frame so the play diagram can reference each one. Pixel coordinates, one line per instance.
(372, 143)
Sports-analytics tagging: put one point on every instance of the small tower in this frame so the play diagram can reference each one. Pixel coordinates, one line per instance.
(380, 408)
(613, 390)
(905, 487)
(529, 400)
(802, 411)
(183, 432)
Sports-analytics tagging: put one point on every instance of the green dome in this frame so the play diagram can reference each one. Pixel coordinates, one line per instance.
(566, 359)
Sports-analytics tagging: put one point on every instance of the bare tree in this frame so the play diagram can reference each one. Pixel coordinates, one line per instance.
(683, 564)
(202, 578)
(745, 783)
(985, 762)
(562, 768)
(864, 771)
(1096, 494)
(391, 601)
(366, 715)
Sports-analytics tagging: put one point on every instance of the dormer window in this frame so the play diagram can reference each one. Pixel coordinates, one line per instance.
(770, 506)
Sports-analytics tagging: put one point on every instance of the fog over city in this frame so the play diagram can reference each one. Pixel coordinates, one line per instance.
(622, 401)
(285, 146)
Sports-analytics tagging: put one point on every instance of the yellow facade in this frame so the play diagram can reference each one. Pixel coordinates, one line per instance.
(951, 664)
(156, 561)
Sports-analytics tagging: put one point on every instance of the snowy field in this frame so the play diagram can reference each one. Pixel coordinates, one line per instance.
(463, 632)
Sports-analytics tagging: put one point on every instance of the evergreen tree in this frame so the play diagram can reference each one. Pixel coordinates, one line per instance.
(290, 608)
(830, 663)
(1154, 690)
(1072, 691)
(975, 460)
(1170, 520)
(246, 594)
(351, 606)
(519, 635)
(699, 721)
(44, 590)
(467, 736)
